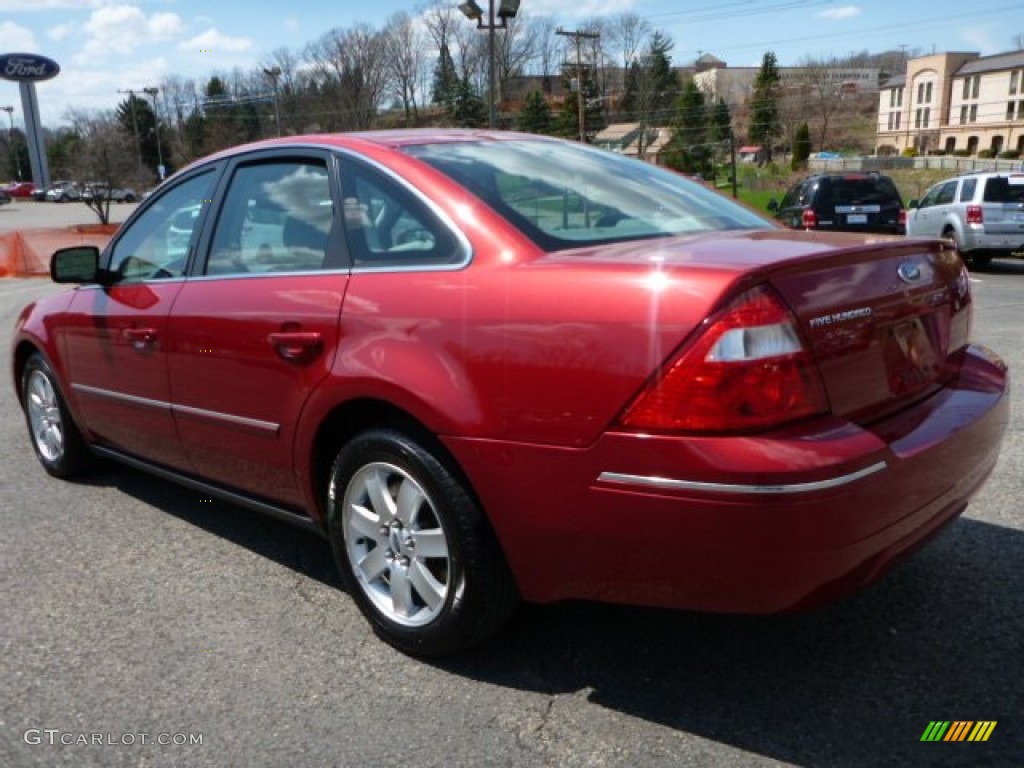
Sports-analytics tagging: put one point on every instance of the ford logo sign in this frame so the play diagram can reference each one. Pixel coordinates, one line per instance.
(909, 272)
(27, 67)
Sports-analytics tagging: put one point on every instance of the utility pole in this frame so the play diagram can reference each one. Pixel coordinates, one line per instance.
(578, 35)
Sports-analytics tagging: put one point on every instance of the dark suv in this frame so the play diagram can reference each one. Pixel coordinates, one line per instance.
(847, 202)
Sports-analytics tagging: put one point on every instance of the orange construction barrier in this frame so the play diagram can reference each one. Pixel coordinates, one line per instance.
(26, 252)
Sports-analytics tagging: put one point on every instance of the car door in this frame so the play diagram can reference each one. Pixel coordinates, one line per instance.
(928, 218)
(256, 327)
(117, 335)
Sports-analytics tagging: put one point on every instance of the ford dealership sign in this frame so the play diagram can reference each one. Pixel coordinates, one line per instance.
(27, 67)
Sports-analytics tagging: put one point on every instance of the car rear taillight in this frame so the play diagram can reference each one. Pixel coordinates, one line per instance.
(748, 370)
(974, 215)
(809, 220)
(902, 220)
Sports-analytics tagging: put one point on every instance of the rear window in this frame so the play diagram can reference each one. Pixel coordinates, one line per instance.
(863, 191)
(999, 190)
(564, 195)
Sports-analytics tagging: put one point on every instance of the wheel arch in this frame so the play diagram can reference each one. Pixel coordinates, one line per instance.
(352, 417)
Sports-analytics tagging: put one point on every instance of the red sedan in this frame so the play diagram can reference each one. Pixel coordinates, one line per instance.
(22, 189)
(495, 366)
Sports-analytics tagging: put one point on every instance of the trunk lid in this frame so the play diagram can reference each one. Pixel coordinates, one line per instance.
(885, 324)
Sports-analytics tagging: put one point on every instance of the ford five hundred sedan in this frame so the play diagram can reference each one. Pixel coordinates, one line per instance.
(493, 367)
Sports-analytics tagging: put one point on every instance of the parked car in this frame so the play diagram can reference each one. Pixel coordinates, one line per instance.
(116, 194)
(20, 189)
(5, 197)
(63, 192)
(495, 366)
(847, 202)
(982, 213)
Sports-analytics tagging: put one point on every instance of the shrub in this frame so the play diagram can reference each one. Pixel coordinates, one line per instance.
(961, 153)
(986, 154)
(1010, 154)
(909, 152)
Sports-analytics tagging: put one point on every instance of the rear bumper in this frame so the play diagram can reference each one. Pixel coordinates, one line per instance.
(977, 241)
(740, 524)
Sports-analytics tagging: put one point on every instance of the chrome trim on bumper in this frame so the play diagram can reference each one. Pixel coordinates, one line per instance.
(669, 484)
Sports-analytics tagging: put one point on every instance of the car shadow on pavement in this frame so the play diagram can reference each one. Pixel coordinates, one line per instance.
(941, 637)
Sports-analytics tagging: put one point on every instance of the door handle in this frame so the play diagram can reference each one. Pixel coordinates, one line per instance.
(139, 338)
(296, 345)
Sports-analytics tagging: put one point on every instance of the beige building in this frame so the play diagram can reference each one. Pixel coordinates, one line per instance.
(954, 102)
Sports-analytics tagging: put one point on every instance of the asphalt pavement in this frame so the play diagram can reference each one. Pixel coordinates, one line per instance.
(136, 612)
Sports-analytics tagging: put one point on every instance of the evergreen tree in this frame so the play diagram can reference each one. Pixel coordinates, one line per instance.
(664, 78)
(446, 79)
(801, 147)
(688, 150)
(765, 124)
(720, 122)
(568, 122)
(138, 121)
(468, 109)
(536, 114)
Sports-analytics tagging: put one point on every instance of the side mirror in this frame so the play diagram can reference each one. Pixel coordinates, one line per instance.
(914, 203)
(77, 264)
(773, 205)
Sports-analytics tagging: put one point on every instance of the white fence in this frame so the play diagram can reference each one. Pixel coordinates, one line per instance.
(938, 162)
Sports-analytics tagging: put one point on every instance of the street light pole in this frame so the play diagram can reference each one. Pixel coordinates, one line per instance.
(507, 9)
(153, 91)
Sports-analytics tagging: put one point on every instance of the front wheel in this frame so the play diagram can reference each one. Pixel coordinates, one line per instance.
(55, 437)
(414, 549)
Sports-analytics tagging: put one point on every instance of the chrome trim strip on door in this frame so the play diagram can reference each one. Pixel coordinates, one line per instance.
(145, 402)
(240, 421)
(666, 483)
(187, 410)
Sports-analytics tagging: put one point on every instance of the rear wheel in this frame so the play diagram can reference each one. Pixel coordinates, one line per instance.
(55, 437)
(414, 548)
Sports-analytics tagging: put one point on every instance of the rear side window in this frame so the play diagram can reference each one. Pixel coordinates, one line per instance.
(999, 190)
(967, 190)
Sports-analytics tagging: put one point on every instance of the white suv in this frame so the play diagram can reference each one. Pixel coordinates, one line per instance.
(982, 213)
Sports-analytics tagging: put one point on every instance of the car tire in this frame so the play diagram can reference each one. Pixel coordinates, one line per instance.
(414, 548)
(128, 199)
(56, 439)
(980, 262)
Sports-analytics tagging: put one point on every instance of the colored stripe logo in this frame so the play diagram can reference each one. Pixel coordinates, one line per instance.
(958, 730)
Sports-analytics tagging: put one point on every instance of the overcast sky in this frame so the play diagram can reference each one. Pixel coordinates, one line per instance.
(106, 45)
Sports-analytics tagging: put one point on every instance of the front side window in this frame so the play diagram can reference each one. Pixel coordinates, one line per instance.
(276, 217)
(155, 246)
(947, 193)
(931, 197)
(567, 195)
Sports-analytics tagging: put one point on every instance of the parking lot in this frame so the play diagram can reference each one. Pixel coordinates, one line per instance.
(136, 608)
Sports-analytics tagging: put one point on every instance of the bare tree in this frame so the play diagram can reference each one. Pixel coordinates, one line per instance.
(547, 46)
(513, 50)
(626, 33)
(405, 57)
(822, 93)
(104, 155)
(351, 65)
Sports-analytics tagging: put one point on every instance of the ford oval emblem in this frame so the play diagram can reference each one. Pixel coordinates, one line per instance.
(27, 67)
(909, 272)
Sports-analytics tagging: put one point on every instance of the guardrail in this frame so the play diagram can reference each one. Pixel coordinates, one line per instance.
(949, 163)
